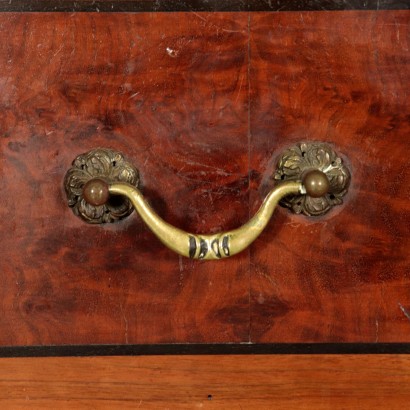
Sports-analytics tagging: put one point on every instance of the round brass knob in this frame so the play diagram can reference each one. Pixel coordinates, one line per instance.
(325, 178)
(316, 183)
(96, 192)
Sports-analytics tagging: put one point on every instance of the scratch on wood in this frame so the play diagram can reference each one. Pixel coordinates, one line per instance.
(405, 312)
(199, 16)
(239, 90)
(377, 331)
(231, 31)
(133, 96)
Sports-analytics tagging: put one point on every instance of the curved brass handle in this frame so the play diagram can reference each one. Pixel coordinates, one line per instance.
(216, 246)
(220, 245)
(95, 191)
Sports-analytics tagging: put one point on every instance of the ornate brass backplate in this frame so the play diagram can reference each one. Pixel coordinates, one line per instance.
(107, 165)
(296, 161)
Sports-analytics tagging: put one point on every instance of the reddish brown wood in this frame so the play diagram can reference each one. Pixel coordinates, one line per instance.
(201, 103)
(169, 91)
(187, 382)
(340, 78)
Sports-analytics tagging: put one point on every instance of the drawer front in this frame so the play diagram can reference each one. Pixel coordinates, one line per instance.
(203, 104)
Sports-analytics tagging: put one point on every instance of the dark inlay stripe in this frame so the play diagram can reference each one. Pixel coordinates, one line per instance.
(215, 248)
(225, 245)
(203, 249)
(199, 5)
(205, 349)
(192, 247)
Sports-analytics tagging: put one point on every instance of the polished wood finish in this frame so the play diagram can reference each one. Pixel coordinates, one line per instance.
(251, 382)
(201, 103)
(169, 91)
(339, 78)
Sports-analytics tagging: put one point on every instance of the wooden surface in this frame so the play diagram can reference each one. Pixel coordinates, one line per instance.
(337, 78)
(214, 382)
(202, 104)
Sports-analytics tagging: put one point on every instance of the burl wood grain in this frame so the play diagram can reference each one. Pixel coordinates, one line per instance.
(341, 78)
(202, 104)
(170, 92)
(209, 382)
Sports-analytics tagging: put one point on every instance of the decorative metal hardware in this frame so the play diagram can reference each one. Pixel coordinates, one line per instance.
(296, 161)
(107, 165)
(102, 187)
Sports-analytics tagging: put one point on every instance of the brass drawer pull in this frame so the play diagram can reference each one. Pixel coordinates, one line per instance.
(308, 173)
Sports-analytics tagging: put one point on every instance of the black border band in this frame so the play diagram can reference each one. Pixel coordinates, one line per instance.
(204, 349)
(197, 5)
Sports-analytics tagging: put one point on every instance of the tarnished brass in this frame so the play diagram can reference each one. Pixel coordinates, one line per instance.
(314, 181)
(300, 160)
(101, 187)
(106, 165)
(95, 192)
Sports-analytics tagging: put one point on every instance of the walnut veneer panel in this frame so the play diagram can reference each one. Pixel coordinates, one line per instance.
(221, 382)
(341, 78)
(169, 91)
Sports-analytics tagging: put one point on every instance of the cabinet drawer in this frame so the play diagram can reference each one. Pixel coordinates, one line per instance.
(203, 104)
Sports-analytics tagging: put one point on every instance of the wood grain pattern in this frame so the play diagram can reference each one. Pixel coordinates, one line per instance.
(339, 78)
(170, 92)
(201, 103)
(234, 382)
